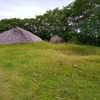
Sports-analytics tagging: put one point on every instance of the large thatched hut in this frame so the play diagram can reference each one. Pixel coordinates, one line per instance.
(18, 35)
(56, 39)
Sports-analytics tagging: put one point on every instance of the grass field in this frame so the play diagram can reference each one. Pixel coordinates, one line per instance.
(45, 71)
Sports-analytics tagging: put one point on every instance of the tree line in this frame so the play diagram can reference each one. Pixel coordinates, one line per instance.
(77, 22)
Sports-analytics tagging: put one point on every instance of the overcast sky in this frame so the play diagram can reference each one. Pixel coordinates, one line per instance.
(28, 8)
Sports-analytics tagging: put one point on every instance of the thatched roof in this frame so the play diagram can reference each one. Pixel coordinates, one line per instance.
(56, 39)
(18, 35)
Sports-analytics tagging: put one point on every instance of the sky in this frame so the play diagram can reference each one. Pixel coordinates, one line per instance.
(28, 8)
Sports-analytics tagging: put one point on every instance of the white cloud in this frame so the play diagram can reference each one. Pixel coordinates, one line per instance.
(28, 8)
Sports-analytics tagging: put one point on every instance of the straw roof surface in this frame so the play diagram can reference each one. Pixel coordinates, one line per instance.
(18, 35)
(56, 39)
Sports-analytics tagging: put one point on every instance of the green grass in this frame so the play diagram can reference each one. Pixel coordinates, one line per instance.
(45, 71)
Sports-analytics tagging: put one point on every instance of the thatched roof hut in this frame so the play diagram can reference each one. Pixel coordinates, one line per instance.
(18, 35)
(56, 39)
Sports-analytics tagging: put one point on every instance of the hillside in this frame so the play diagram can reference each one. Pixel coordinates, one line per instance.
(45, 71)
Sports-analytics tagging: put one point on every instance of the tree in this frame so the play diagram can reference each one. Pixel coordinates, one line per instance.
(85, 20)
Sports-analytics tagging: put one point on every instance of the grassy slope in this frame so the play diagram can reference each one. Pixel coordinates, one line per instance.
(44, 71)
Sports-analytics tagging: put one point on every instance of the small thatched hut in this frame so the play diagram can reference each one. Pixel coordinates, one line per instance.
(18, 35)
(56, 39)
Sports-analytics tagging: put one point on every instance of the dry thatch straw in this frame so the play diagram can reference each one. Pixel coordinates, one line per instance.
(18, 35)
(56, 39)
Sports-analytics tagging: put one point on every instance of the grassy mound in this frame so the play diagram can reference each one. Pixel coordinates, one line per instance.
(45, 71)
